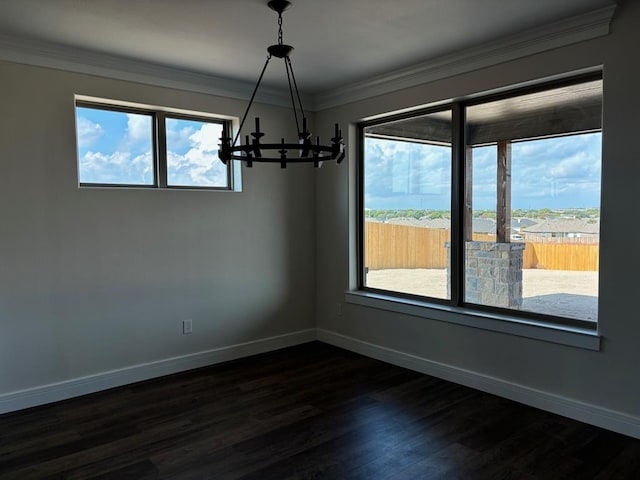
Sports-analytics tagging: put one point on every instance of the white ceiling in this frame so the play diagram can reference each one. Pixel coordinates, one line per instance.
(337, 42)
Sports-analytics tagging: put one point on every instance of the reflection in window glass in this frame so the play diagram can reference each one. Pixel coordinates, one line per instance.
(407, 205)
(114, 147)
(535, 193)
(192, 154)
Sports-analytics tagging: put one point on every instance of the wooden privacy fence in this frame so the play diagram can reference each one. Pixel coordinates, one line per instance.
(561, 256)
(400, 246)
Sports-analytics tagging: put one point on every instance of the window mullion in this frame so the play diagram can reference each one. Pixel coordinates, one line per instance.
(360, 166)
(226, 128)
(161, 149)
(458, 152)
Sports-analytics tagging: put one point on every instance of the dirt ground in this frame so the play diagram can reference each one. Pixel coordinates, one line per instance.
(554, 292)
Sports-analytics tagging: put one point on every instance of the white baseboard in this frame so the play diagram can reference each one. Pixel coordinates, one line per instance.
(54, 392)
(567, 407)
(584, 412)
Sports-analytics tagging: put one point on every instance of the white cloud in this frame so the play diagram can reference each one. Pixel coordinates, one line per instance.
(578, 165)
(118, 167)
(178, 138)
(550, 172)
(138, 128)
(199, 165)
(207, 138)
(88, 131)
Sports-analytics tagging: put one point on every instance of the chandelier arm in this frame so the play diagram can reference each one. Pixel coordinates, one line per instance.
(287, 66)
(321, 152)
(253, 96)
(295, 85)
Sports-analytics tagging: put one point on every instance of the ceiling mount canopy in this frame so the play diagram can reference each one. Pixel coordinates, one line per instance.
(306, 149)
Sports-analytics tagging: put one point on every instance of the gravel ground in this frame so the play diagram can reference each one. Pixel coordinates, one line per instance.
(554, 292)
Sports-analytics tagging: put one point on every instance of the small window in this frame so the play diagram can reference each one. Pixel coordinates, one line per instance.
(490, 205)
(192, 154)
(131, 147)
(114, 147)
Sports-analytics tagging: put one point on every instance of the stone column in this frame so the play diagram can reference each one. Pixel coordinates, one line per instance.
(493, 274)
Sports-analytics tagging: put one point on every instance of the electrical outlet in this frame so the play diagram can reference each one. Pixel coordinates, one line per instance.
(187, 326)
(338, 309)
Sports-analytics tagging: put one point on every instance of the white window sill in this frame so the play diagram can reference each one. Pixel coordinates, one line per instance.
(571, 336)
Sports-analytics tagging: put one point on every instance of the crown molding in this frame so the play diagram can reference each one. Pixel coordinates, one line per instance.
(61, 57)
(558, 34)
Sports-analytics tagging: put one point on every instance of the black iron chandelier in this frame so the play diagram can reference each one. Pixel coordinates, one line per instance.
(307, 149)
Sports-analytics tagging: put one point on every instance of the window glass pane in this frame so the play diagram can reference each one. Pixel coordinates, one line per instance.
(535, 189)
(192, 154)
(407, 203)
(114, 147)
(484, 192)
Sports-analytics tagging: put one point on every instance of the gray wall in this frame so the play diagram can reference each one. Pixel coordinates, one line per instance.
(607, 378)
(93, 280)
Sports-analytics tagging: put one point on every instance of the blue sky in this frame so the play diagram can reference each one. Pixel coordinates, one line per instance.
(117, 147)
(559, 172)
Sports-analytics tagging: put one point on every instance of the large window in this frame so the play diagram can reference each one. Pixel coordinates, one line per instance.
(492, 204)
(149, 148)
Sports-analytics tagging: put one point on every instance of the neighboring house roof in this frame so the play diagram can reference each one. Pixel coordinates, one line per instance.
(484, 225)
(413, 222)
(488, 225)
(564, 225)
(441, 223)
(480, 225)
(520, 223)
(424, 222)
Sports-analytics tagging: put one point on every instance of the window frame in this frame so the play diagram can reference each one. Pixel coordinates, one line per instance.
(159, 144)
(456, 303)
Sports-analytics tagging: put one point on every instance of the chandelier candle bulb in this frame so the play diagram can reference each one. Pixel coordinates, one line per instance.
(316, 162)
(337, 136)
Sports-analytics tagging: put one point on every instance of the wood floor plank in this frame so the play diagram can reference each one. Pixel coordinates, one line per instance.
(144, 470)
(308, 412)
(334, 457)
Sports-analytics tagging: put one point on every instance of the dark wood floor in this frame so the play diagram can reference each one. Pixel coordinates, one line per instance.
(311, 411)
